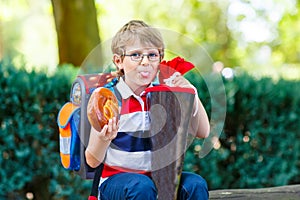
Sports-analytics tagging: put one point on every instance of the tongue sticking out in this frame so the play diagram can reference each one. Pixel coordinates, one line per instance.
(145, 74)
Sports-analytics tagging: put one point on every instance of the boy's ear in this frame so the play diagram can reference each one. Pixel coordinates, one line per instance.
(118, 61)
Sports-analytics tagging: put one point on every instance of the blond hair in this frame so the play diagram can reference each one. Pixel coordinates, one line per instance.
(136, 30)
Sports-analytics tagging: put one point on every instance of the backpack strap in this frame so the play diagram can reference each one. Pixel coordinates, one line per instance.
(94, 191)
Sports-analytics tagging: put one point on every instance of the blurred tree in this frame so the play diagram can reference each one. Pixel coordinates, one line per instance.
(286, 46)
(267, 35)
(205, 22)
(1, 41)
(77, 29)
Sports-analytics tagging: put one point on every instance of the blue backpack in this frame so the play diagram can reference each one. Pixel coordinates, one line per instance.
(74, 127)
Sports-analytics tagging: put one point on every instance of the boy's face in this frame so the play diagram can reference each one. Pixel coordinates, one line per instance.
(140, 64)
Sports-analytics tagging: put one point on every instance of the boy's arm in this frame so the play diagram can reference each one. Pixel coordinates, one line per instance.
(199, 123)
(96, 149)
(99, 142)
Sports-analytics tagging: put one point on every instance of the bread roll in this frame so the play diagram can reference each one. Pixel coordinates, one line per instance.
(102, 106)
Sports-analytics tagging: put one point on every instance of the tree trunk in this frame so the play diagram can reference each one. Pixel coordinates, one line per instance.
(77, 29)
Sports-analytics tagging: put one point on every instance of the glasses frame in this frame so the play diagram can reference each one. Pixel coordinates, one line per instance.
(142, 57)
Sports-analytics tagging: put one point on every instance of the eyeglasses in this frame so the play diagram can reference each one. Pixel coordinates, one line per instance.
(138, 57)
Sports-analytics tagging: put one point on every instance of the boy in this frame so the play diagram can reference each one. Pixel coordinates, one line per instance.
(138, 50)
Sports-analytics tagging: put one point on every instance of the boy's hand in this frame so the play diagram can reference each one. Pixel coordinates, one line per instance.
(109, 131)
(180, 81)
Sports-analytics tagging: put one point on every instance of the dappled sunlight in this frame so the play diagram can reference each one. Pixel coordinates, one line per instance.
(29, 35)
(29, 30)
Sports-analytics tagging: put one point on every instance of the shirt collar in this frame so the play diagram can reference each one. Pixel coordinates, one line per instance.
(125, 90)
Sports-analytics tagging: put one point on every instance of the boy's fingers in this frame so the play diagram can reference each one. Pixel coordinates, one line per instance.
(114, 124)
(102, 132)
(109, 125)
(104, 129)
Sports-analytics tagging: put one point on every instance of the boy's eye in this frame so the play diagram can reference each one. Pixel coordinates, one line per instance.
(136, 55)
(153, 55)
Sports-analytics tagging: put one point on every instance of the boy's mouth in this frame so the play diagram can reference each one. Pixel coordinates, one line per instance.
(145, 74)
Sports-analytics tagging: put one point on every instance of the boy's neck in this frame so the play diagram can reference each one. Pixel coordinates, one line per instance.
(136, 90)
(139, 90)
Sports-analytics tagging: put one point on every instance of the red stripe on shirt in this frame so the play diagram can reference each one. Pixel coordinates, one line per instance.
(132, 105)
(109, 171)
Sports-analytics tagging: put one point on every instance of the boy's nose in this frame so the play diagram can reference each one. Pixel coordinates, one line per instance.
(145, 60)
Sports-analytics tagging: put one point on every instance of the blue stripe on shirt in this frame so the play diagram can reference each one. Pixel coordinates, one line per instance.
(132, 142)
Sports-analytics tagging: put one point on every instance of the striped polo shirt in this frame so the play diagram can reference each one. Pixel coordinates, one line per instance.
(130, 151)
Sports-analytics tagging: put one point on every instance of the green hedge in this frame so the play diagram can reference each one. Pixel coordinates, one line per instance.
(260, 144)
(29, 158)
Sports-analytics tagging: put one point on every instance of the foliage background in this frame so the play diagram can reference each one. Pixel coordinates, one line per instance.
(259, 147)
(260, 143)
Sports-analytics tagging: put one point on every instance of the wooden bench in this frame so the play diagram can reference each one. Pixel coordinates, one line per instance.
(290, 192)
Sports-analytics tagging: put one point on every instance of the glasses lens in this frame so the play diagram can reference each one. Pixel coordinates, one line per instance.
(153, 56)
(136, 57)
